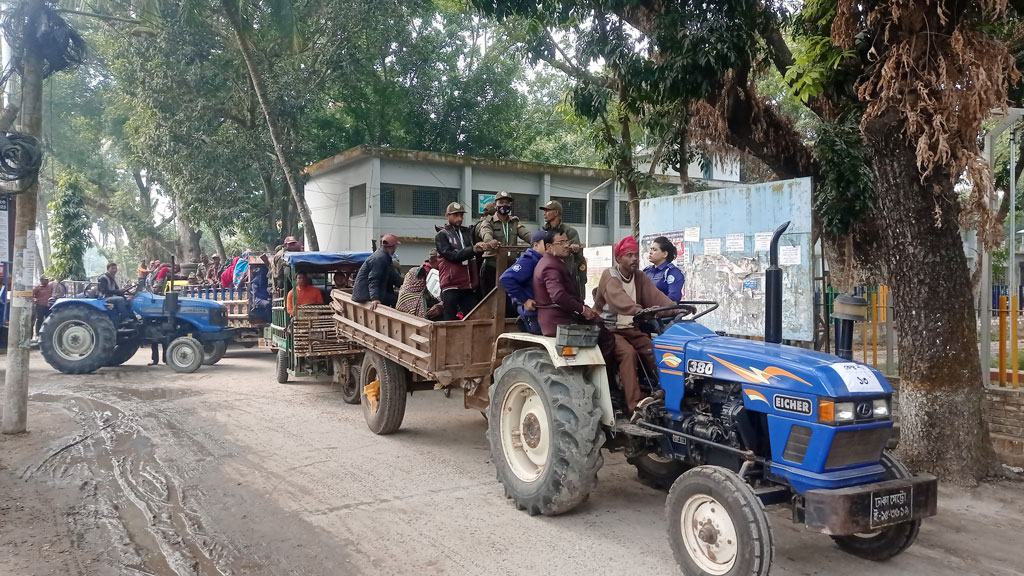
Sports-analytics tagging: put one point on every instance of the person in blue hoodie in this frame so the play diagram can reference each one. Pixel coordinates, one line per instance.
(518, 281)
(665, 275)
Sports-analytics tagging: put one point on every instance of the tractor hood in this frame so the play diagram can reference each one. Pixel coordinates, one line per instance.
(148, 304)
(786, 367)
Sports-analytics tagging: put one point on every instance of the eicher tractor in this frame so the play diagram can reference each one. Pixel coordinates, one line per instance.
(742, 425)
(83, 334)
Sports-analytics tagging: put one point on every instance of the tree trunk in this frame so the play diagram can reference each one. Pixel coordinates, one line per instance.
(942, 429)
(271, 237)
(219, 243)
(231, 9)
(188, 236)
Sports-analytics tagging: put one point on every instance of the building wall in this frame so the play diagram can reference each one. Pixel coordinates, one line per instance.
(390, 182)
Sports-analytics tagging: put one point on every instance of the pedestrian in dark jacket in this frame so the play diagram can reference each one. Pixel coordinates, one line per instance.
(575, 260)
(518, 282)
(377, 281)
(457, 264)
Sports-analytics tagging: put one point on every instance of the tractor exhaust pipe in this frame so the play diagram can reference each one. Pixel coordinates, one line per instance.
(773, 291)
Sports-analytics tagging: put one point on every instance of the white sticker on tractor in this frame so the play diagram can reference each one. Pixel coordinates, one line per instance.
(857, 377)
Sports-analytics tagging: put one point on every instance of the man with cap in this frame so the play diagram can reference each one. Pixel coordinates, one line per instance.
(457, 264)
(478, 228)
(506, 229)
(41, 299)
(575, 261)
(378, 280)
(622, 293)
(277, 263)
(518, 281)
(213, 271)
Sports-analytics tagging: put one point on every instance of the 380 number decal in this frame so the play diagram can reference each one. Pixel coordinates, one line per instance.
(701, 368)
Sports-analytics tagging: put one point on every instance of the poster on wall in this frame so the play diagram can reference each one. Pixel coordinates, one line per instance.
(599, 259)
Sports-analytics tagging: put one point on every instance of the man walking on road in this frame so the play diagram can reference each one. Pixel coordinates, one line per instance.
(41, 299)
(377, 281)
(457, 264)
(575, 261)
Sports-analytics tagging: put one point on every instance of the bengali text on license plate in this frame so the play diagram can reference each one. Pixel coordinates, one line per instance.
(892, 506)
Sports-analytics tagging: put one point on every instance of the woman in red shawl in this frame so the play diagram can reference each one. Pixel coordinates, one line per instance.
(227, 277)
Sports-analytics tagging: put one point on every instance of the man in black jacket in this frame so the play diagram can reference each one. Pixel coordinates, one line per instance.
(377, 281)
(457, 265)
(107, 288)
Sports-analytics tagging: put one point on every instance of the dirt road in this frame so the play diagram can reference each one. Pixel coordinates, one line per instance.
(139, 470)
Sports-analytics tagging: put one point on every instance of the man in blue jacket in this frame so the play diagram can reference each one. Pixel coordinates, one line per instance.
(377, 281)
(518, 281)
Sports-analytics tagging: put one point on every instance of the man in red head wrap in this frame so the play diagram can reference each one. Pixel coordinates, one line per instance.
(621, 294)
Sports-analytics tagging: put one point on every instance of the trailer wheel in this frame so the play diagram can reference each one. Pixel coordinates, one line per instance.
(185, 355)
(383, 393)
(77, 339)
(544, 429)
(282, 366)
(887, 542)
(213, 352)
(351, 390)
(717, 525)
(122, 353)
(657, 472)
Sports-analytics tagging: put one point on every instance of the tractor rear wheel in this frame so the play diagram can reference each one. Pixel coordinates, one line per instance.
(886, 542)
(185, 355)
(213, 352)
(717, 525)
(282, 366)
(383, 393)
(657, 472)
(544, 429)
(122, 353)
(77, 339)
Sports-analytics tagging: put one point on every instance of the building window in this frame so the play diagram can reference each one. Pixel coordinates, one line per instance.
(357, 200)
(387, 200)
(573, 209)
(599, 212)
(432, 201)
(624, 214)
(524, 206)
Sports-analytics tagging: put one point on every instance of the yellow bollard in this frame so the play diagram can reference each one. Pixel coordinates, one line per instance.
(1002, 341)
(864, 338)
(874, 330)
(1013, 339)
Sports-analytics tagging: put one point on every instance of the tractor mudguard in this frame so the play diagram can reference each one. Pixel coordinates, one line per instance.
(588, 359)
(97, 303)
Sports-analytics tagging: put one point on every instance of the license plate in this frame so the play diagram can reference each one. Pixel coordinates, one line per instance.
(892, 506)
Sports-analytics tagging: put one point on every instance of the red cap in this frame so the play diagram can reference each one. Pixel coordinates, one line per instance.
(625, 246)
(290, 240)
(390, 240)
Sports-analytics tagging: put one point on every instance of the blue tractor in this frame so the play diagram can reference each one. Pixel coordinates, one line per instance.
(737, 425)
(83, 334)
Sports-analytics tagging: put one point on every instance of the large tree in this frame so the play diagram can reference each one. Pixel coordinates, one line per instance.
(905, 85)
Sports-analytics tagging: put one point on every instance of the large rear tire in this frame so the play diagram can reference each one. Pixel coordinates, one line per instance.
(383, 393)
(77, 339)
(185, 355)
(717, 525)
(544, 429)
(122, 353)
(887, 542)
(213, 352)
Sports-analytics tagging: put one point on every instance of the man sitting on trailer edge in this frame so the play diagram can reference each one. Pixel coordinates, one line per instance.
(377, 279)
(622, 293)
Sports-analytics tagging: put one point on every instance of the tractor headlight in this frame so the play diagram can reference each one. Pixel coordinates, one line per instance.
(830, 411)
(844, 412)
(881, 408)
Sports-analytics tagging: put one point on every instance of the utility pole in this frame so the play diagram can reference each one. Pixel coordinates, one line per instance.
(16, 386)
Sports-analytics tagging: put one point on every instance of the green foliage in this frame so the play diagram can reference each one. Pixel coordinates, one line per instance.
(70, 234)
(845, 191)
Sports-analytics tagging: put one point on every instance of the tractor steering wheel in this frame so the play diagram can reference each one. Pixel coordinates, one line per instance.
(689, 311)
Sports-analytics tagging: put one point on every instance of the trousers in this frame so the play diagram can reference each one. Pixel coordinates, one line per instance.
(458, 301)
(632, 344)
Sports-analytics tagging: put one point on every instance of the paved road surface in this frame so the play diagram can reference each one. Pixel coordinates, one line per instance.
(139, 470)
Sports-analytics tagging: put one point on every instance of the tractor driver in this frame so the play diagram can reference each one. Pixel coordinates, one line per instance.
(107, 288)
(622, 293)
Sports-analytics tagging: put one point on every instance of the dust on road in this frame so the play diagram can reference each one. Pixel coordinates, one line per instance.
(141, 470)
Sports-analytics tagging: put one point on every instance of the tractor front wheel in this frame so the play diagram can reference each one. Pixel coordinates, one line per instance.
(77, 339)
(544, 428)
(185, 355)
(886, 542)
(383, 393)
(717, 525)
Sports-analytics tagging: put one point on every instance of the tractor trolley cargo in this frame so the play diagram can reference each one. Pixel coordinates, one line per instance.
(741, 425)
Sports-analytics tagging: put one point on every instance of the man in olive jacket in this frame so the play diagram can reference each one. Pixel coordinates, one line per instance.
(575, 261)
